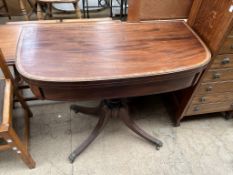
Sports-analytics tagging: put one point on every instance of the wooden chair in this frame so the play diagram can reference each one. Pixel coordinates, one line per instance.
(8, 88)
(3, 5)
(25, 13)
(48, 5)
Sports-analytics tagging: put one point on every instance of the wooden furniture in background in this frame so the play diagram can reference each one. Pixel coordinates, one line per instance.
(43, 8)
(156, 9)
(8, 87)
(212, 21)
(122, 60)
(28, 9)
(9, 39)
(4, 9)
(48, 4)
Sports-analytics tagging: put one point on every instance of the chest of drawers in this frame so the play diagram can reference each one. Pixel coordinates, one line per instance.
(215, 94)
(214, 91)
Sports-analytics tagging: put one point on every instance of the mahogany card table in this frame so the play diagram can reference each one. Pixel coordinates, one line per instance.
(110, 62)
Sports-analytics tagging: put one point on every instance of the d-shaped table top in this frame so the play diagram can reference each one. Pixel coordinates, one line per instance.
(93, 51)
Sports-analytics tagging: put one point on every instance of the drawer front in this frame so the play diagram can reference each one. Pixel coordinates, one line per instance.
(213, 98)
(222, 61)
(217, 87)
(215, 75)
(209, 108)
(227, 46)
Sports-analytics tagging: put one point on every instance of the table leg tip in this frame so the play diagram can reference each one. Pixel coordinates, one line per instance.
(159, 145)
(71, 158)
(74, 108)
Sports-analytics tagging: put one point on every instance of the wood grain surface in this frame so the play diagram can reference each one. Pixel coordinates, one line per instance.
(9, 36)
(112, 60)
(90, 52)
(166, 9)
(211, 20)
(10, 33)
(216, 87)
(157, 9)
(210, 108)
(213, 98)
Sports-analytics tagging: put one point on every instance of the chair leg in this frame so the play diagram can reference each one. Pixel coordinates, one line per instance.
(23, 10)
(22, 102)
(18, 78)
(18, 94)
(6, 8)
(20, 148)
(26, 129)
(77, 10)
(50, 13)
(39, 12)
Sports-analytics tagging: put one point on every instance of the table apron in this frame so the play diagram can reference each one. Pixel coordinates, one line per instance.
(72, 93)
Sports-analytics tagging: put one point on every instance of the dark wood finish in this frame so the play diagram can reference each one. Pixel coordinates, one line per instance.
(6, 129)
(104, 116)
(157, 9)
(116, 89)
(158, 40)
(110, 108)
(10, 34)
(109, 61)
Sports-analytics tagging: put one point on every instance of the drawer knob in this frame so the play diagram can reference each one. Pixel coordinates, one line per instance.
(202, 99)
(216, 75)
(209, 88)
(226, 60)
(196, 108)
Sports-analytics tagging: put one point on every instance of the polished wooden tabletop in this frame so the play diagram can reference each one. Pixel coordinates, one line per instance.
(87, 52)
(85, 61)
